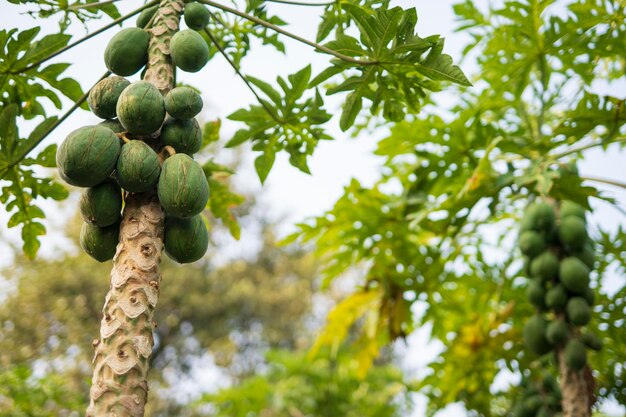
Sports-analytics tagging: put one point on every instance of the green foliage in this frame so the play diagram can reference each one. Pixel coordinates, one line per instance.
(293, 385)
(22, 394)
(18, 50)
(283, 122)
(396, 66)
(21, 184)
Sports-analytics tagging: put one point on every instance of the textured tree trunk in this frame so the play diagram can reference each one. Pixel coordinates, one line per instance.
(121, 359)
(577, 388)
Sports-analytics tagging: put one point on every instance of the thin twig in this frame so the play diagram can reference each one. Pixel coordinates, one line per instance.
(299, 3)
(275, 28)
(56, 124)
(585, 147)
(90, 5)
(604, 181)
(91, 35)
(243, 77)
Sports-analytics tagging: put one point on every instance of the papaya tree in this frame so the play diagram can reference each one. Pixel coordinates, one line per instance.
(377, 61)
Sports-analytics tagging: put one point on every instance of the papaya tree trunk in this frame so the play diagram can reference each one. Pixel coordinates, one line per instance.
(577, 389)
(122, 352)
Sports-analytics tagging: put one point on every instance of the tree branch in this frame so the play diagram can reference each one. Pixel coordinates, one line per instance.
(89, 5)
(299, 3)
(275, 28)
(78, 42)
(604, 181)
(243, 77)
(585, 147)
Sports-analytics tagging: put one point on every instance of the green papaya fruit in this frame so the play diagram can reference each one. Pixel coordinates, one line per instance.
(557, 332)
(189, 51)
(575, 355)
(534, 335)
(138, 167)
(100, 242)
(578, 311)
(127, 51)
(545, 266)
(102, 98)
(574, 275)
(183, 188)
(146, 15)
(573, 232)
(101, 205)
(591, 341)
(556, 297)
(531, 243)
(113, 124)
(183, 103)
(536, 294)
(88, 155)
(539, 217)
(185, 136)
(196, 15)
(569, 208)
(141, 108)
(186, 240)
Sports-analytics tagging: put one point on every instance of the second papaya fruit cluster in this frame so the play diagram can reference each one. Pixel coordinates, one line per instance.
(559, 257)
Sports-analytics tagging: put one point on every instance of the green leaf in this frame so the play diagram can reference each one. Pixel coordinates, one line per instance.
(263, 164)
(351, 109)
(211, 132)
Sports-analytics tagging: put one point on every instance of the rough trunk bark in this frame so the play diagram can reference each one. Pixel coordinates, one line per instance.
(122, 352)
(577, 389)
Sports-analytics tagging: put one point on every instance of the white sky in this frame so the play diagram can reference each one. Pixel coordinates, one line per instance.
(287, 193)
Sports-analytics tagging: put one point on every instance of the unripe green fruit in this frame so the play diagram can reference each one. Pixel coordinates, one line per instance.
(534, 334)
(591, 341)
(189, 50)
(87, 156)
(557, 332)
(556, 297)
(573, 232)
(587, 255)
(101, 205)
(183, 188)
(569, 208)
(141, 108)
(589, 295)
(578, 311)
(127, 51)
(113, 124)
(539, 217)
(196, 16)
(138, 167)
(145, 16)
(574, 275)
(185, 136)
(531, 243)
(186, 240)
(100, 242)
(545, 266)
(575, 355)
(536, 294)
(183, 103)
(103, 96)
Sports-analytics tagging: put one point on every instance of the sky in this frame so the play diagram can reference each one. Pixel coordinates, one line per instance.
(288, 194)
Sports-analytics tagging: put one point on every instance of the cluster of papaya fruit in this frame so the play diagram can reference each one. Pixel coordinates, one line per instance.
(540, 398)
(145, 144)
(559, 257)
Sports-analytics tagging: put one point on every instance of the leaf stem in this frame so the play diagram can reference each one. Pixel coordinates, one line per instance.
(604, 181)
(78, 42)
(585, 147)
(90, 5)
(275, 28)
(243, 77)
(300, 3)
(56, 124)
